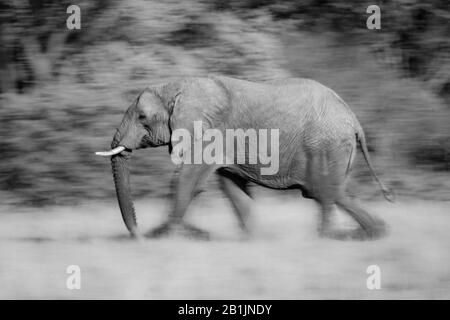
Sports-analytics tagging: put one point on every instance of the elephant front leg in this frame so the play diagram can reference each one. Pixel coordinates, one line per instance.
(186, 185)
(236, 189)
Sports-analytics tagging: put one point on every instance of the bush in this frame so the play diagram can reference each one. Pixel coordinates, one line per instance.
(435, 155)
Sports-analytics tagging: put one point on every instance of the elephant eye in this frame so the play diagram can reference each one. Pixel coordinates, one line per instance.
(141, 117)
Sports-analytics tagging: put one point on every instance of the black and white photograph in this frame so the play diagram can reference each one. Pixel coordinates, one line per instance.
(255, 150)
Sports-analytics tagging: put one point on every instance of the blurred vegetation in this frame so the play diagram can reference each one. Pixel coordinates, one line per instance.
(63, 92)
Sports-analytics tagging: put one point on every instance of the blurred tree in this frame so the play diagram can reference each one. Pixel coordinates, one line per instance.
(34, 39)
(85, 77)
(413, 36)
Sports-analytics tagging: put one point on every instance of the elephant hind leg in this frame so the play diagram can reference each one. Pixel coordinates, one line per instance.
(327, 171)
(324, 227)
(236, 189)
(323, 185)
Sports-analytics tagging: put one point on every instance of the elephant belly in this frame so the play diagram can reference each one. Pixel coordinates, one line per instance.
(289, 175)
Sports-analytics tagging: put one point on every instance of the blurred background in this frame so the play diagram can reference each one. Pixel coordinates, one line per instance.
(63, 92)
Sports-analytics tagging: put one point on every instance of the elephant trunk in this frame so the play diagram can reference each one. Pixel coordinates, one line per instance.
(121, 174)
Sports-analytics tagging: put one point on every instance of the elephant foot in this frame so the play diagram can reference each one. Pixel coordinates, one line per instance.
(372, 234)
(378, 229)
(358, 234)
(158, 232)
(184, 229)
(194, 232)
(335, 234)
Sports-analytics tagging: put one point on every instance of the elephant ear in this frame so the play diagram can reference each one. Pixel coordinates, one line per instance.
(202, 101)
(199, 105)
(157, 114)
(188, 124)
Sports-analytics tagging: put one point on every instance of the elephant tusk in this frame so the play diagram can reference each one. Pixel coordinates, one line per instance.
(112, 152)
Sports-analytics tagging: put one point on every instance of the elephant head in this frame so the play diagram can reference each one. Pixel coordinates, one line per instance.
(145, 124)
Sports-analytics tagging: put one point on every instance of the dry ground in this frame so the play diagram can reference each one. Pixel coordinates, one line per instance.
(284, 260)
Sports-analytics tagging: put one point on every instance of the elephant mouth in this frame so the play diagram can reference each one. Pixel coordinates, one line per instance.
(147, 141)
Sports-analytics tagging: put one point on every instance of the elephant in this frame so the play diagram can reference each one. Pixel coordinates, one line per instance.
(318, 137)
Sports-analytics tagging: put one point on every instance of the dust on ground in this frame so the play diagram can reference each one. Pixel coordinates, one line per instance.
(285, 258)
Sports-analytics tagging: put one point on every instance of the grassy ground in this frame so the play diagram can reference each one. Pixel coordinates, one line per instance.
(284, 259)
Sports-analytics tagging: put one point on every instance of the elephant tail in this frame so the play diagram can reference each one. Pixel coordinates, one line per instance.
(388, 194)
